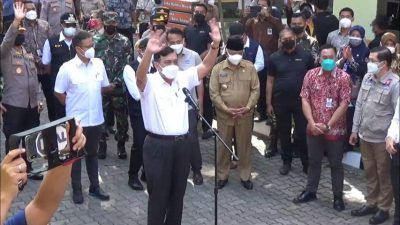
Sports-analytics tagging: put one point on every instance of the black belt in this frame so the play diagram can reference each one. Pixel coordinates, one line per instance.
(169, 137)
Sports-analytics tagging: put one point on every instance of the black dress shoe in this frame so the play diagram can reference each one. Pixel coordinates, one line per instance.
(135, 184)
(304, 197)
(143, 176)
(207, 134)
(221, 183)
(379, 217)
(100, 194)
(269, 154)
(364, 210)
(77, 196)
(102, 154)
(35, 176)
(247, 184)
(338, 204)
(197, 178)
(121, 150)
(284, 170)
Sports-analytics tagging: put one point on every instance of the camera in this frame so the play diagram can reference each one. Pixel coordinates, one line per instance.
(49, 145)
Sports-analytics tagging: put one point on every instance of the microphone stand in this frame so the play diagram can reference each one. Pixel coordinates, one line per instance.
(216, 136)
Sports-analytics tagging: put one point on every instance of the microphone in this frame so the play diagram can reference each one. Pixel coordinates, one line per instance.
(189, 99)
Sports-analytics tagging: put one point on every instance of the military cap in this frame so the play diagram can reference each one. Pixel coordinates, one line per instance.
(159, 15)
(68, 18)
(110, 18)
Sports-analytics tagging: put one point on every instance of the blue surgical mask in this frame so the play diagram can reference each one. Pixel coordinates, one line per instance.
(328, 64)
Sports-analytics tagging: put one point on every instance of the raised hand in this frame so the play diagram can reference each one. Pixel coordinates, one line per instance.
(19, 11)
(214, 34)
(157, 41)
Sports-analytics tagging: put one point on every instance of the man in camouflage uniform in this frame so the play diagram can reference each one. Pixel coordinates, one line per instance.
(115, 50)
(125, 10)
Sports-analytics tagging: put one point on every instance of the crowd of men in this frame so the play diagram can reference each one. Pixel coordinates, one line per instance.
(315, 81)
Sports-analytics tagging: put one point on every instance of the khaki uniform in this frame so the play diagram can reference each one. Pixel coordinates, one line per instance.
(52, 10)
(36, 35)
(234, 88)
(87, 6)
(374, 111)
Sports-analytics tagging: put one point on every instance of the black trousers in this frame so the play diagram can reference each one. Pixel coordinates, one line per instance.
(92, 167)
(48, 91)
(284, 115)
(208, 112)
(128, 32)
(395, 167)
(262, 100)
(196, 160)
(139, 135)
(167, 165)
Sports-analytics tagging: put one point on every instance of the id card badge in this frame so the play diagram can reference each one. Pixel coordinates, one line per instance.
(39, 52)
(121, 14)
(269, 31)
(329, 103)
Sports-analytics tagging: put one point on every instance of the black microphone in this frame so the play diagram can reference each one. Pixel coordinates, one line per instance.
(189, 99)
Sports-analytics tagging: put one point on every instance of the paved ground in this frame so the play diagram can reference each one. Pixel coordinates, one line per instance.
(269, 202)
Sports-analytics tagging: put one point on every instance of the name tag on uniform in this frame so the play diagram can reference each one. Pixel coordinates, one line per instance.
(298, 60)
(329, 103)
(269, 31)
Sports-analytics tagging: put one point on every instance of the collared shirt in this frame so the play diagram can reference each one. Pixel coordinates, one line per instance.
(337, 40)
(310, 44)
(375, 106)
(82, 84)
(46, 58)
(130, 80)
(197, 38)
(259, 63)
(324, 23)
(164, 109)
(394, 128)
(325, 94)
(288, 71)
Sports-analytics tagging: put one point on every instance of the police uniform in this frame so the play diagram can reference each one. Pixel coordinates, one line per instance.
(56, 51)
(52, 10)
(20, 94)
(124, 10)
(234, 88)
(87, 6)
(115, 52)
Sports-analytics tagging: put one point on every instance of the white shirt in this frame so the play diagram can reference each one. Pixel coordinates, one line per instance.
(259, 63)
(46, 57)
(164, 109)
(394, 128)
(130, 80)
(83, 84)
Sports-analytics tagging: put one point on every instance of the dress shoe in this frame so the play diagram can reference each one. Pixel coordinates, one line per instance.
(221, 183)
(379, 217)
(338, 203)
(304, 197)
(35, 176)
(77, 196)
(121, 150)
(135, 184)
(364, 210)
(143, 176)
(102, 154)
(247, 184)
(207, 134)
(197, 178)
(269, 154)
(100, 194)
(284, 170)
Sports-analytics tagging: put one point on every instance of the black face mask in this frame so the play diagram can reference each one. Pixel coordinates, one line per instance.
(19, 40)
(288, 45)
(298, 30)
(199, 18)
(110, 30)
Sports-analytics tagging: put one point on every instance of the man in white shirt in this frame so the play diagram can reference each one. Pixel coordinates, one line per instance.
(188, 58)
(166, 150)
(79, 85)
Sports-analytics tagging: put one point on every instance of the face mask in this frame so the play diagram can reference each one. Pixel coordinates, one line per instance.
(355, 41)
(69, 31)
(31, 15)
(101, 31)
(391, 49)
(170, 72)
(373, 68)
(199, 18)
(19, 40)
(298, 30)
(110, 30)
(288, 45)
(235, 59)
(328, 64)
(345, 23)
(177, 48)
(89, 54)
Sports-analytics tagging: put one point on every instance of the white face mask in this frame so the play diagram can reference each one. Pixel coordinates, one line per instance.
(89, 54)
(170, 72)
(31, 15)
(235, 59)
(177, 48)
(391, 49)
(373, 68)
(345, 23)
(69, 31)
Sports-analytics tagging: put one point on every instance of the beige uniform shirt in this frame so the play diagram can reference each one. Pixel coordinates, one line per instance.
(234, 88)
(52, 11)
(21, 84)
(87, 6)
